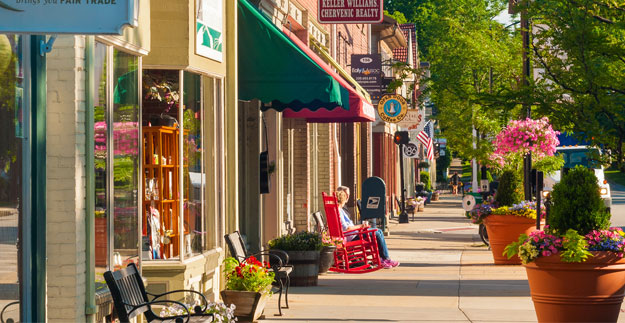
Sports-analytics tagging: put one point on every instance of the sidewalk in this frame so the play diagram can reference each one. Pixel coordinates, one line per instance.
(446, 275)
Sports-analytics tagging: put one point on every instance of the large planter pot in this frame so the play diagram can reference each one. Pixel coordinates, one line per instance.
(590, 291)
(249, 305)
(503, 230)
(435, 196)
(305, 267)
(326, 258)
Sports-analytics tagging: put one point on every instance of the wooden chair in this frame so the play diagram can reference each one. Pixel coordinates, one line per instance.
(319, 224)
(278, 260)
(131, 299)
(359, 251)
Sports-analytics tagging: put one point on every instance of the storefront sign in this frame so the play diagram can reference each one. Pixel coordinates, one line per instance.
(350, 11)
(101, 17)
(209, 29)
(367, 71)
(413, 121)
(392, 108)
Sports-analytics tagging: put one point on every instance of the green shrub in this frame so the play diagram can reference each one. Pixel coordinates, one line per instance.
(425, 179)
(299, 241)
(510, 189)
(577, 203)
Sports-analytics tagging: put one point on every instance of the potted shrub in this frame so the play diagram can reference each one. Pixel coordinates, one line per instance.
(248, 287)
(303, 249)
(575, 266)
(510, 216)
(326, 256)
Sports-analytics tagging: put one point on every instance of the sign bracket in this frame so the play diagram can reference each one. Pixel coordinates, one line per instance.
(46, 47)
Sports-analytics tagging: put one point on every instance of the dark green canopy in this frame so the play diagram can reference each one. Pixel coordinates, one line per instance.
(273, 69)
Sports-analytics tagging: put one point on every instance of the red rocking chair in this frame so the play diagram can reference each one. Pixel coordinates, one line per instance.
(358, 255)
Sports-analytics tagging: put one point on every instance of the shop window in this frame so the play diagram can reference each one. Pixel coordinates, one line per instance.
(116, 150)
(174, 177)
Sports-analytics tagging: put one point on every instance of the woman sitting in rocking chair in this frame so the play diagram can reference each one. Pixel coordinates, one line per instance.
(342, 195)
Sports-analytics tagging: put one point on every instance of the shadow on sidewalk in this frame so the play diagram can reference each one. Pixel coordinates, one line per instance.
(399, 287)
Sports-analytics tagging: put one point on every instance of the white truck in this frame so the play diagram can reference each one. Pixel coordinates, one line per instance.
(586, 156)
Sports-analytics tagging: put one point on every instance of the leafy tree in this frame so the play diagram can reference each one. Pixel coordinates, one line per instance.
(580, 55)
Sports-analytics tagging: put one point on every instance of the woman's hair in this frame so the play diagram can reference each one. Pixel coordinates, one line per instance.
(341, 197)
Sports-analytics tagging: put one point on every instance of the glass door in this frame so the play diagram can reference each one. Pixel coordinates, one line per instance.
(12, 130)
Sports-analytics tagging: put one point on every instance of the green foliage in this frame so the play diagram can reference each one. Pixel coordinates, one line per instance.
(425, 179)
(514, 247)
(575, 247)
(580, 47)
(510, 189)
(397, 15)
(299, 241)
(577, 203)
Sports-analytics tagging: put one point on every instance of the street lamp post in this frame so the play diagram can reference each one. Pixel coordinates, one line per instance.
(527, 160)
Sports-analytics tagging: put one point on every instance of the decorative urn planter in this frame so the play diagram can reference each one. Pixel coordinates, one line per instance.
(590, 291)
(249, 305)
(305, 267)
(326, 258)
(503, 230)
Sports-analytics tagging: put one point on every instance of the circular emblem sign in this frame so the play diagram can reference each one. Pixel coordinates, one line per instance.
(392, 108)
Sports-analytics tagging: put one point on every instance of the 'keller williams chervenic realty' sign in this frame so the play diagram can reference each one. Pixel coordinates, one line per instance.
(350, 11)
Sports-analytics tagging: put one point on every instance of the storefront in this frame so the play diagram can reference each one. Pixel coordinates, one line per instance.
(184, 147)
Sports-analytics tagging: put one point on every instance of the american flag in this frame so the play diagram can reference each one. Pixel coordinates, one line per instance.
(425, 137)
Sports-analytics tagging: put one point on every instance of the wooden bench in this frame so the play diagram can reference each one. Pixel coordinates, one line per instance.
(131, 299)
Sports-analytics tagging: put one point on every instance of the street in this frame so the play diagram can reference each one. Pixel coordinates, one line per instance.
(618, 205)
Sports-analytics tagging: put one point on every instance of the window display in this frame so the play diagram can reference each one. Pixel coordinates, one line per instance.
(173, 212)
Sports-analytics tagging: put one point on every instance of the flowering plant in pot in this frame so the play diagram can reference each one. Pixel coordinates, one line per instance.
(511, 216)
(248, 286)
(303, 249)
(575, 266)
(222, 312)
(326, 256)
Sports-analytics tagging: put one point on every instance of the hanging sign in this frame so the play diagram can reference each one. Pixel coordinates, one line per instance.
(392, 108)
(414, 120)
(411, 150)
(367, 71)
(99, 17)
(209, 29)
(350, 11)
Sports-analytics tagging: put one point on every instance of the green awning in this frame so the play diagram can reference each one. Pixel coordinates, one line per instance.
(273, 69)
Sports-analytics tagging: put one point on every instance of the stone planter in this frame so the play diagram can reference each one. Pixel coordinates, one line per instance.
(590, 291)
(326, 258)
(503, 230)
(305, 267)
(249, 305)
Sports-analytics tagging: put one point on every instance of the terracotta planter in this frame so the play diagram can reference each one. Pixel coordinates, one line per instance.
(503, 230)
(591, 291)
(434, 197)
(421, 207)
(326, 258)
(249, 305)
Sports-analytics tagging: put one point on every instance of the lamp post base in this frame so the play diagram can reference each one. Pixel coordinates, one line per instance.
(403, 217)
